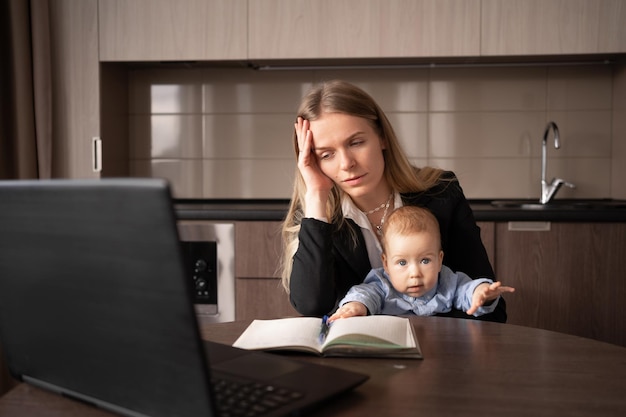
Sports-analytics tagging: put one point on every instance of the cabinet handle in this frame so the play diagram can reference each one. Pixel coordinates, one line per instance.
(529, 226)
(96, 154)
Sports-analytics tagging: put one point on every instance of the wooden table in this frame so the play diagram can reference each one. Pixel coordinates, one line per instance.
(470, 368)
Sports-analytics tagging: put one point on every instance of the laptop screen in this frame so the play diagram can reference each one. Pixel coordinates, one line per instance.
(92, 278)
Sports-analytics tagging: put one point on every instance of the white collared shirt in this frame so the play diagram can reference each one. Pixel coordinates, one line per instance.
(351, 211)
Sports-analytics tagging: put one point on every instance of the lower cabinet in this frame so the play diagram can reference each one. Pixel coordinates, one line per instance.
(258, 288)
(569, 277)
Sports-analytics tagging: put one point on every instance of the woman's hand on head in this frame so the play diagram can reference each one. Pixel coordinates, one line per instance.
(316, 181)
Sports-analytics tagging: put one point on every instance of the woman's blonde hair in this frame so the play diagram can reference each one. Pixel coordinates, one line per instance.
(342, 97)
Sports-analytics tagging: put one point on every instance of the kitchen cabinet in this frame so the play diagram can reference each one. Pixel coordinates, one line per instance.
(75, 86)
(88, 101)
(165, 30)
(307, 29)
(258, 287)
(257, 30)
(569, 277)
(552, 27)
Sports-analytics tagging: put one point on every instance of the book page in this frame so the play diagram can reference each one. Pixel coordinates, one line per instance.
(378, 330)
(281, 334)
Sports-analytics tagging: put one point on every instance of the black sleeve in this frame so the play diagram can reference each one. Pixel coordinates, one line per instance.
(312, 289)
(328, 262)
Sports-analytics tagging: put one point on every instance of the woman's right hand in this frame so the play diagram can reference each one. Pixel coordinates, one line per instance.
(318, 185)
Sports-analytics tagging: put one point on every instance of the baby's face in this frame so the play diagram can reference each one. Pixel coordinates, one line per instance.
(413, 262)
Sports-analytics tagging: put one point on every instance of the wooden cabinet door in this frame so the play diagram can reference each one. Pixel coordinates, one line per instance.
(570, 278)
(544, 27)
(75, 80)
(259, 291)
(165, 30)
(301, 29)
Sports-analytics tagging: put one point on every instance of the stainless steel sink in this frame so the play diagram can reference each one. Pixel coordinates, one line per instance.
(561, 204)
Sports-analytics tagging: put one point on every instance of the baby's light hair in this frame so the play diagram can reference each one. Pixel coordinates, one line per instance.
(408, 220)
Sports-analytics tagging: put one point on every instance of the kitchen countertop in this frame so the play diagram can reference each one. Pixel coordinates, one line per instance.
(484, 210)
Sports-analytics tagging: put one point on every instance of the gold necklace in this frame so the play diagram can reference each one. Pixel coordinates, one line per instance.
(379, 227)
(372, 211)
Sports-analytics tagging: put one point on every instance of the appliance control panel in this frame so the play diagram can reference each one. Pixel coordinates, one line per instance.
(201, 261)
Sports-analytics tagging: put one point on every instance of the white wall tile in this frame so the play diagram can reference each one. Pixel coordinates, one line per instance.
(493, 177)
(591, 176)
(174, 90)
(248, 178)
(582, 133)
(412, 132)
(226, 132)
(248, 136)
(251, 91)
(185, 176)
(579, 88)
(484, 134)
(165, 136)
(488, 89)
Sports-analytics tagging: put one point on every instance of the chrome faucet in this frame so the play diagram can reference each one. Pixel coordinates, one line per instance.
(549, 190)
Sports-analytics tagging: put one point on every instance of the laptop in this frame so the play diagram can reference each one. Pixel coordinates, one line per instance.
(95, 306)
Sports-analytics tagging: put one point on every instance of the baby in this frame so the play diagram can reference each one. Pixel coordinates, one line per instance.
(413, 279)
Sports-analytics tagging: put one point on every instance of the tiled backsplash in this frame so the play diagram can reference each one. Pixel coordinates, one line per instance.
(226, 132)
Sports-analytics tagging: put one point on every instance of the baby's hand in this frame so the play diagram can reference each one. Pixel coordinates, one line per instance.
(353, 308)
(485, 292)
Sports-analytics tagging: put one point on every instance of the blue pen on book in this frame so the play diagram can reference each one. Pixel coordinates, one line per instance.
(324, 329)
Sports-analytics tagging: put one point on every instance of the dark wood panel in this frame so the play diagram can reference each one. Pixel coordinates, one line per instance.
(259, 298)
(257, 247)
(569, 279)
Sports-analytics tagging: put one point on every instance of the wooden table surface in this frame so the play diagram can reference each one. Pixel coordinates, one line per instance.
(470, 368)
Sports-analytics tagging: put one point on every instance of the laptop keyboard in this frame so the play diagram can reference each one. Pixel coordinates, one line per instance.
(235, 398)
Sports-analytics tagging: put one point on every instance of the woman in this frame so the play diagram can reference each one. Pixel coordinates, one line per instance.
(351, 174)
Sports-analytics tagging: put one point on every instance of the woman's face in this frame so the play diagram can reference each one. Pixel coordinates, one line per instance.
(350, 152)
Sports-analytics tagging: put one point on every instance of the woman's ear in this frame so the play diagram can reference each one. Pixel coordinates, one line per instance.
(383, 143)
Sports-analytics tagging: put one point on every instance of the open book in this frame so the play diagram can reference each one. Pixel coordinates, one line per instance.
(374, 336)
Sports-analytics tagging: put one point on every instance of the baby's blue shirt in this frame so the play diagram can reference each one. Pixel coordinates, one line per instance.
(453, 290)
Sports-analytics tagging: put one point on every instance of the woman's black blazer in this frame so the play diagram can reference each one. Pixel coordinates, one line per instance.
(331, 259)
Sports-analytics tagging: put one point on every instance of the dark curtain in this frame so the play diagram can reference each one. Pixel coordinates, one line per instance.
(25, 90)
(25, 97)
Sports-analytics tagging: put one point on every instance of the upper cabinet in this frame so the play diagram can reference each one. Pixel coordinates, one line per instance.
(255, 30)
(553, 27)
(306, 29)
(166, 30)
